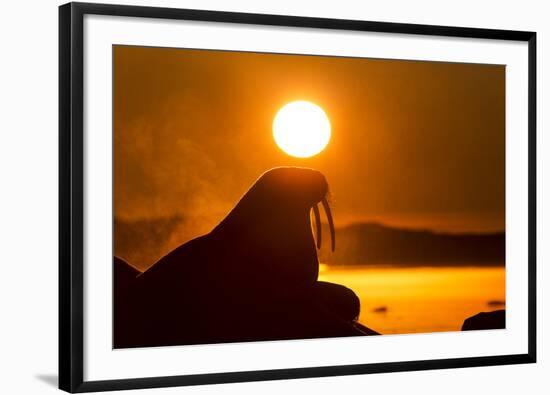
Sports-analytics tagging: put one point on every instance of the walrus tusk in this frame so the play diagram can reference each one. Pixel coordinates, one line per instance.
(330, 223)
(317, 225)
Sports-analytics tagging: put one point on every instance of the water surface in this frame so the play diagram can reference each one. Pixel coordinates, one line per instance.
(420, 299)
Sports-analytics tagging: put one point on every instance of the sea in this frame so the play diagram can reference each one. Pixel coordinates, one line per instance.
(423, 299)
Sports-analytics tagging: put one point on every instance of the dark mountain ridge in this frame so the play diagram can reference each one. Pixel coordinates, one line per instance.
(373, 243)
(143, 242)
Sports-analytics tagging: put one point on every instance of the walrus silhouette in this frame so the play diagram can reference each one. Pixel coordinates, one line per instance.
(253, 277)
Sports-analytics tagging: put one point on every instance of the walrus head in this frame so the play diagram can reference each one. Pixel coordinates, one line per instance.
(271, 227)
(299, 188)
(295, 190)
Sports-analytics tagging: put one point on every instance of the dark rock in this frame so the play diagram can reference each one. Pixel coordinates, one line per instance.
(488, 320)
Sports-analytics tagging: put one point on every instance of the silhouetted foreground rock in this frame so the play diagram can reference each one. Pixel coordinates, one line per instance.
(253, 277)
(491, 320)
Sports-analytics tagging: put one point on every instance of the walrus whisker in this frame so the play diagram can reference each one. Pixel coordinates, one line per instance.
(317, 225)
(330, 223)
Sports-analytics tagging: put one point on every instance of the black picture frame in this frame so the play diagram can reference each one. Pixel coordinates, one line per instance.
(71, 224)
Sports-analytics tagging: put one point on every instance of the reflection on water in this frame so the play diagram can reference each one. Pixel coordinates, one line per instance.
(420, 299)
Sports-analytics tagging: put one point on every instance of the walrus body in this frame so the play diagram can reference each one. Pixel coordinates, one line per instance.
(253, 277)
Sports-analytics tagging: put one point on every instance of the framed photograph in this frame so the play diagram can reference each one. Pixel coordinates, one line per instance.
(253, 197)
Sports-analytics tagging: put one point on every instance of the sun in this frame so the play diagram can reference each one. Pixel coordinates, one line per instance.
(301, 129)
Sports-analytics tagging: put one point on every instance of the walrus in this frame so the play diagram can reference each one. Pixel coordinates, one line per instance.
(253, 277)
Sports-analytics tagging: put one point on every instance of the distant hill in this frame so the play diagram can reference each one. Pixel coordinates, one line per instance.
(373, 243)
(143, 242)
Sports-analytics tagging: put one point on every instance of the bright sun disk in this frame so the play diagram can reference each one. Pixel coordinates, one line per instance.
(301, 129)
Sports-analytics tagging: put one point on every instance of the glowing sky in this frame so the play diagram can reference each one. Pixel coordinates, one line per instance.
(418, 144)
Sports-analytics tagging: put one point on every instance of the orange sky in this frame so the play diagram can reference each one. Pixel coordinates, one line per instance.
(418, 144)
